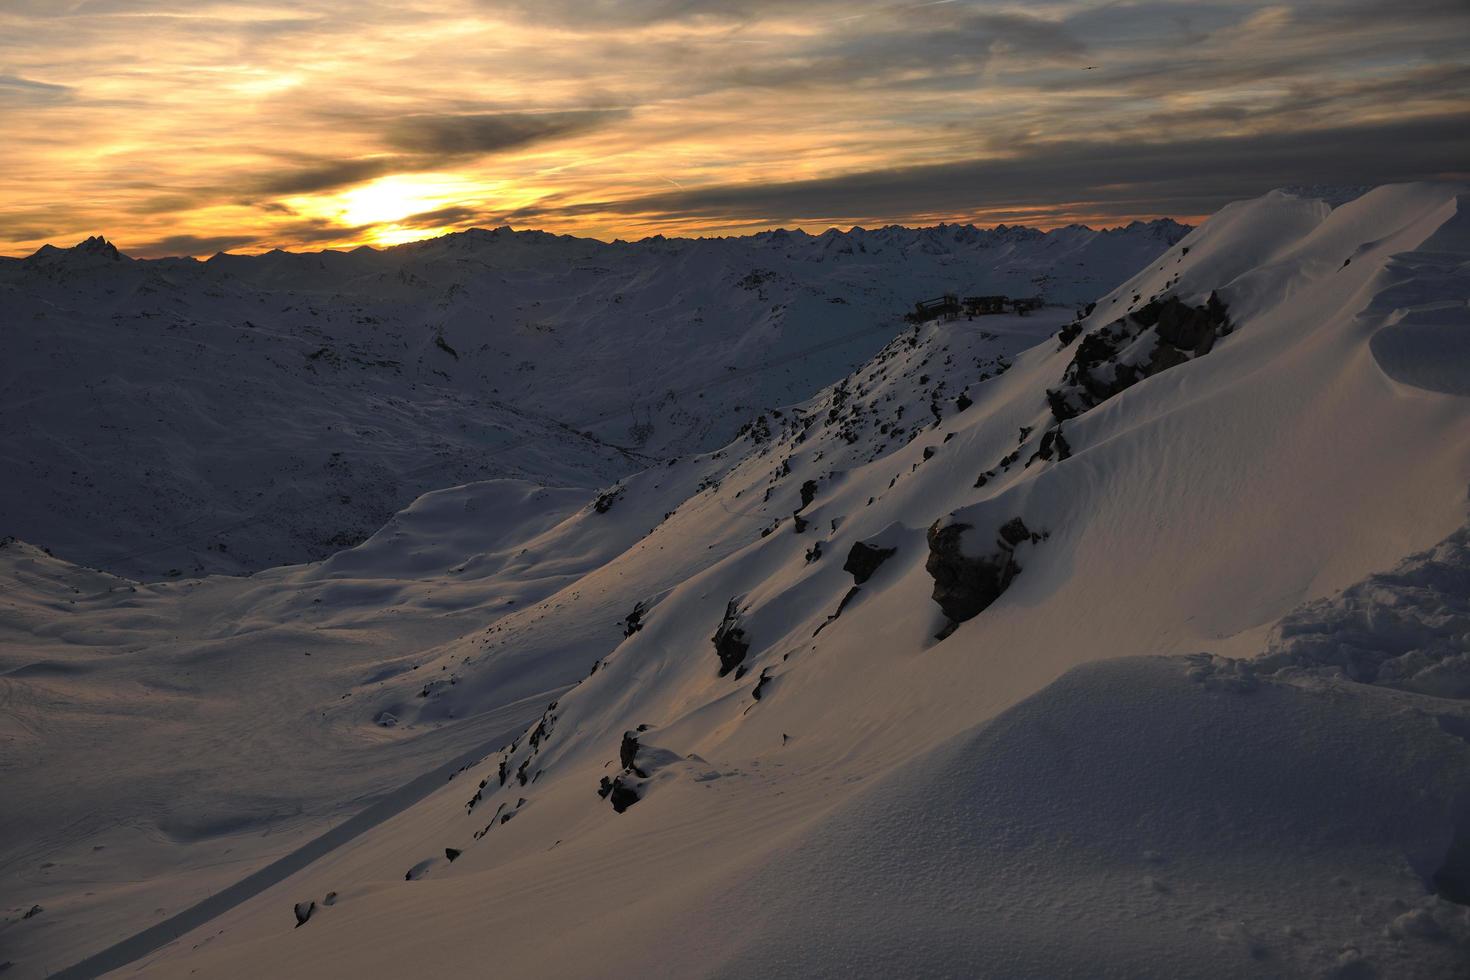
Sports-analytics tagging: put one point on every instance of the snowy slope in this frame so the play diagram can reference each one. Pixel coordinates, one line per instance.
(252, 411)
(353, 666)
(1078, 780)
(776, 765)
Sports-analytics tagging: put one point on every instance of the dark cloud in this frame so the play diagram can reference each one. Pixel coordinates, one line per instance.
(443, 217)
(947, 49)
(308, 231)
(325, 174)
(189, 245)
(637, 13)
(428, 141)
(476, 134)
(1186, 177)
(1155, 50)
(314, 231)
(17, 91)
(1306, 100)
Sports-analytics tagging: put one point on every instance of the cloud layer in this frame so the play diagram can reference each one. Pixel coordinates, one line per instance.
(251, 124)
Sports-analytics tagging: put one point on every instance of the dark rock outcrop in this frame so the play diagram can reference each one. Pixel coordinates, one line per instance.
(761, 683)
(731, 646)
(1118, 356)
(628, 753)
(863, 560)
(1068, 334)
(964, 586)
(633, 622)
(303, 912)
(808, 493)
(1054, 443)
(450, 853)
(618, 792)
(605, 501)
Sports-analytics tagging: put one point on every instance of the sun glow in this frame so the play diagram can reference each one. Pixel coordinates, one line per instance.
(253, 124)
(391, 199)
(398, 208)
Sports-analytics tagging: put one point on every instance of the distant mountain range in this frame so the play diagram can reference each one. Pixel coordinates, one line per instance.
(173, 416)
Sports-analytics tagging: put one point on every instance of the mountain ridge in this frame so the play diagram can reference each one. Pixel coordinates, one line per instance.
(302, 399)
(1164, 227)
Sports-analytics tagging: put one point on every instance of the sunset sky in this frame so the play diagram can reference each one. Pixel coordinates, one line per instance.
(184, 128)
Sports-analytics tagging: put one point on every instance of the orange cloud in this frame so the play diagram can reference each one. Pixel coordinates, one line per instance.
(251, 125)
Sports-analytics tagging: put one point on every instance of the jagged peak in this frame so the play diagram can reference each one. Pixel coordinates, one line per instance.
(95, 247)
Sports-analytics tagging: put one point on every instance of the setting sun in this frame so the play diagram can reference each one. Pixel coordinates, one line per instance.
(391, 199)
(257, 125)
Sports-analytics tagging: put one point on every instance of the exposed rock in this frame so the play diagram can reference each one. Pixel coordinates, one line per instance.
(1158, 335)
(1053, 443)
(965, 586)
(450, 853)
(618, 792)
(633, 622)
(863, 560)
(303, 912)
(628, 753)
(808, 493)
(730, 643)
(604, 501)
(32, 912)
(851, 593)
(1068, 334)
(765, 679)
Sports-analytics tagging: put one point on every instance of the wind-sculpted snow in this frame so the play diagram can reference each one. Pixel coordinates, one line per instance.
(174, 417)
(1408, 628)
(1427, 344)
(1122, 822)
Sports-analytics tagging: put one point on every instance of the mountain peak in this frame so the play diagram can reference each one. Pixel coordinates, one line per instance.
(94, 247)
(97, 245)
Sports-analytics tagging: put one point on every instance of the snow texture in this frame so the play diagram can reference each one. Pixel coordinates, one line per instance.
(1214, 724)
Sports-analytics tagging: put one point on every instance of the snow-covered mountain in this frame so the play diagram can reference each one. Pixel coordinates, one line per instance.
(249, 411)
(1128, 645)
